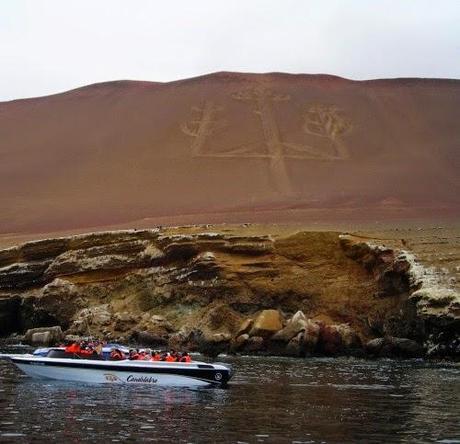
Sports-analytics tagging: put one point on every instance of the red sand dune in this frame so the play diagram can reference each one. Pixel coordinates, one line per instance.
(260, 147)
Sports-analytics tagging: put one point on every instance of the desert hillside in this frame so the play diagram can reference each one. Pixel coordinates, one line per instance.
(230, 147)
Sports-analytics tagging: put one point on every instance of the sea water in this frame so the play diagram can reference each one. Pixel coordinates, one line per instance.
(271, 400)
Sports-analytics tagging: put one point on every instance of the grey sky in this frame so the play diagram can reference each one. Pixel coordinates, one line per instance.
(47, 46)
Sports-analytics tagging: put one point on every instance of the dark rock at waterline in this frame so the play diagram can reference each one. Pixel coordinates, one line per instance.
(13, 339)
(254, 344)
(406, 325)
(444, 343)
(295, 346)
(149, 339)
(185, 339)
(311, 336)
(238, 343)
(44, 336)
(330, 340)
(213, 344)
(389, 347)
(336, 339)
(9, 314)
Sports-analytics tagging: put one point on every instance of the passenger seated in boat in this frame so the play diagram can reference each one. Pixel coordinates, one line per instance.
(170, 357)
(185, 357)
(147, 355)
(86, 349)
(116, 355)
(144, 355)
(74, 347)
(156, 356)
(87, 352)
(133, 355)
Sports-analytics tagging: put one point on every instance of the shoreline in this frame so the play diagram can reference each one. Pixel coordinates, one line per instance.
(5, 344)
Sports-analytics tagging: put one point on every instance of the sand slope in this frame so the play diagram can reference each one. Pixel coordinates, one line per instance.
(272, 147)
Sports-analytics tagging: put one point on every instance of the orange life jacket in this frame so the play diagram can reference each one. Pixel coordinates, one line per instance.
(73, 348)
(86, 352)
(170, 358)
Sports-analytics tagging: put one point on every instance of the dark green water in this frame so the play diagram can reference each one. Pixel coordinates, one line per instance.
(270, 400)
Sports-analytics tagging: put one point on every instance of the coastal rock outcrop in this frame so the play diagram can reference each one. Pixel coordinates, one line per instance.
(9, 314)
(429, 313)
(311, 336)
(295, 325)
(389, 346)
(389, 268)
(267, 323)
(44, 335)
(309, 293)
(298, 336)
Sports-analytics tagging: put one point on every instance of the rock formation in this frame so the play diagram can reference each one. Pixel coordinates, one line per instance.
(305, 294)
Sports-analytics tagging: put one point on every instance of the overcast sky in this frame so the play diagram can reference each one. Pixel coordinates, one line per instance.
(48, 46)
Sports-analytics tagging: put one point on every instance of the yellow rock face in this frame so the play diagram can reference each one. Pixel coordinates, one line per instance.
(245, 327)
(267, 323)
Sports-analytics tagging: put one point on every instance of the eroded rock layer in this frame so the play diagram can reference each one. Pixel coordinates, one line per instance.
(308, 293)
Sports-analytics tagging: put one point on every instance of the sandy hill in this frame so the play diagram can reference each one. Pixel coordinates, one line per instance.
(230, 147)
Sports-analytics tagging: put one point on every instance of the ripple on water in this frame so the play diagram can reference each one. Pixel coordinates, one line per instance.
(11, 435)
(269, 400)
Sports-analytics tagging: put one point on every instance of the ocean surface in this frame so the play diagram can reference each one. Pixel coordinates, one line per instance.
(271, 400)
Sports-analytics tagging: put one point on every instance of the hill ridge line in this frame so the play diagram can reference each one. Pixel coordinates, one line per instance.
(243, 76)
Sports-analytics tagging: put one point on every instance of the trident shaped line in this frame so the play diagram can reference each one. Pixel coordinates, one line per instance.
(320, 120)
(263, 108)
(203, 126)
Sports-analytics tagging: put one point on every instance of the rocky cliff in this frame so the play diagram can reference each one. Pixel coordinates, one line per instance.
(214, 291)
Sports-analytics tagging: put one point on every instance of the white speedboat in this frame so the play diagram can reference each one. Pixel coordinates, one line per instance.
(73, 368)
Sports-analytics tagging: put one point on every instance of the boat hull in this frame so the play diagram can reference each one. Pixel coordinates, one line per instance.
(104, 376)
(124, 372)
